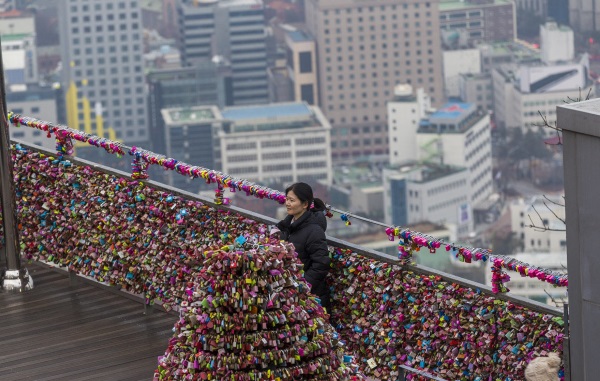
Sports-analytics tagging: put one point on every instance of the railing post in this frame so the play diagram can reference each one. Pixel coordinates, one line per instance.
(14, 278)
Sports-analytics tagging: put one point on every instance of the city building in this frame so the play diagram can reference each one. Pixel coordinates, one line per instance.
(191, 135)
(493, 55)
(36, 101)
(536, 7)
(584, 15)
(233, 31)
(405, 112)
(416, 192)
(364, 49)
(203, 84)
(457, 62)
(522, 93)
(557, 42)
(477, 89)
(483, 20)
(302, 66)
(102, 68)
(20, 59)
(358, 187)
(277, 143)
(16, 22)
(459, 134)
(548, 215)
(558, 10)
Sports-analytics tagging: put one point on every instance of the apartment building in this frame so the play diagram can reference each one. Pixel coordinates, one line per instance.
(101, 52)
(231, 31)
(364, 49)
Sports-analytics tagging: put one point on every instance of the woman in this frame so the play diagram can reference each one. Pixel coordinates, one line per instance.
(305, 227)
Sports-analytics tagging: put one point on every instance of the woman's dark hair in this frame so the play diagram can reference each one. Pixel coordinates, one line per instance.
(305, 193)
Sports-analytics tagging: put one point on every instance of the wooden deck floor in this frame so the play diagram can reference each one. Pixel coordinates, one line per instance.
(83, 332)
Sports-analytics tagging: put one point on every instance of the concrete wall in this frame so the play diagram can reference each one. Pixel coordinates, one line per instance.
(581, 143)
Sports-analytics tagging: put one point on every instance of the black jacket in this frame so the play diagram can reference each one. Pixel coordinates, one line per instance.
(308, 236)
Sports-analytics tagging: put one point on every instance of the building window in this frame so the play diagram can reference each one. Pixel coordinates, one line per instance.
(305, 62)
(307, 94)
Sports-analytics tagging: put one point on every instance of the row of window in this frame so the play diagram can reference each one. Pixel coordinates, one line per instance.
(99, 18)
(374, 65)
(108, 5)
(373, 28)
(446, 187)
(363, 37)
(383, 17)
(460, 15)
(453, 202)
(356, 130)
(100, 28)
(101, 49)
(357, 142)
(381, 7)
(481, 190)
(100, 39)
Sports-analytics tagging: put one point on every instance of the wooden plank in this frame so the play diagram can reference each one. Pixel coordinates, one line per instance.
(57, 331)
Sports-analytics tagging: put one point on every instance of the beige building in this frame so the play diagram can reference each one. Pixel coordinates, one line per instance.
(364, 49)
(302, 66)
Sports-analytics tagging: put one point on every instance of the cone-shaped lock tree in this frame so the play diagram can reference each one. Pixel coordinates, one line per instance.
(250, 317)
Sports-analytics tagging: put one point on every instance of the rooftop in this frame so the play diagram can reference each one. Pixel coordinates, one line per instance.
(195, 114)
(452, 118)
(424, 172)
(453, 5)
(299, 36)
(272, 111)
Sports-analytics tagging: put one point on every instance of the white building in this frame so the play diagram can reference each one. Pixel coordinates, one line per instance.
(404, 114)
(16, 22)
(457, 62)
(102, 63)
(522, 93)
(280, 142)
(427, 192)
(557, 42)
(534, 288)
(540, 211)
(20, 59)
(459, 134)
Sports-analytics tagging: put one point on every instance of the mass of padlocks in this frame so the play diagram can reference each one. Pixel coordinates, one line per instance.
(248, 316)
(125, 233)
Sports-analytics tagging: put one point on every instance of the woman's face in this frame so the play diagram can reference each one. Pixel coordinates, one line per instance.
(293, 205)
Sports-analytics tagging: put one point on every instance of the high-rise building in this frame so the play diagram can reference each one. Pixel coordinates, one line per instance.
(405, 112)
(203, 84)
(301, 65)
(537, 7)
(233, 31)
(558, 10)
(584, 15)
(364, 49)
(459, 134)
(482, 20)
(101, 52)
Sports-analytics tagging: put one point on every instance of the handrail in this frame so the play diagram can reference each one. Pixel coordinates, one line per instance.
(332, 241)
